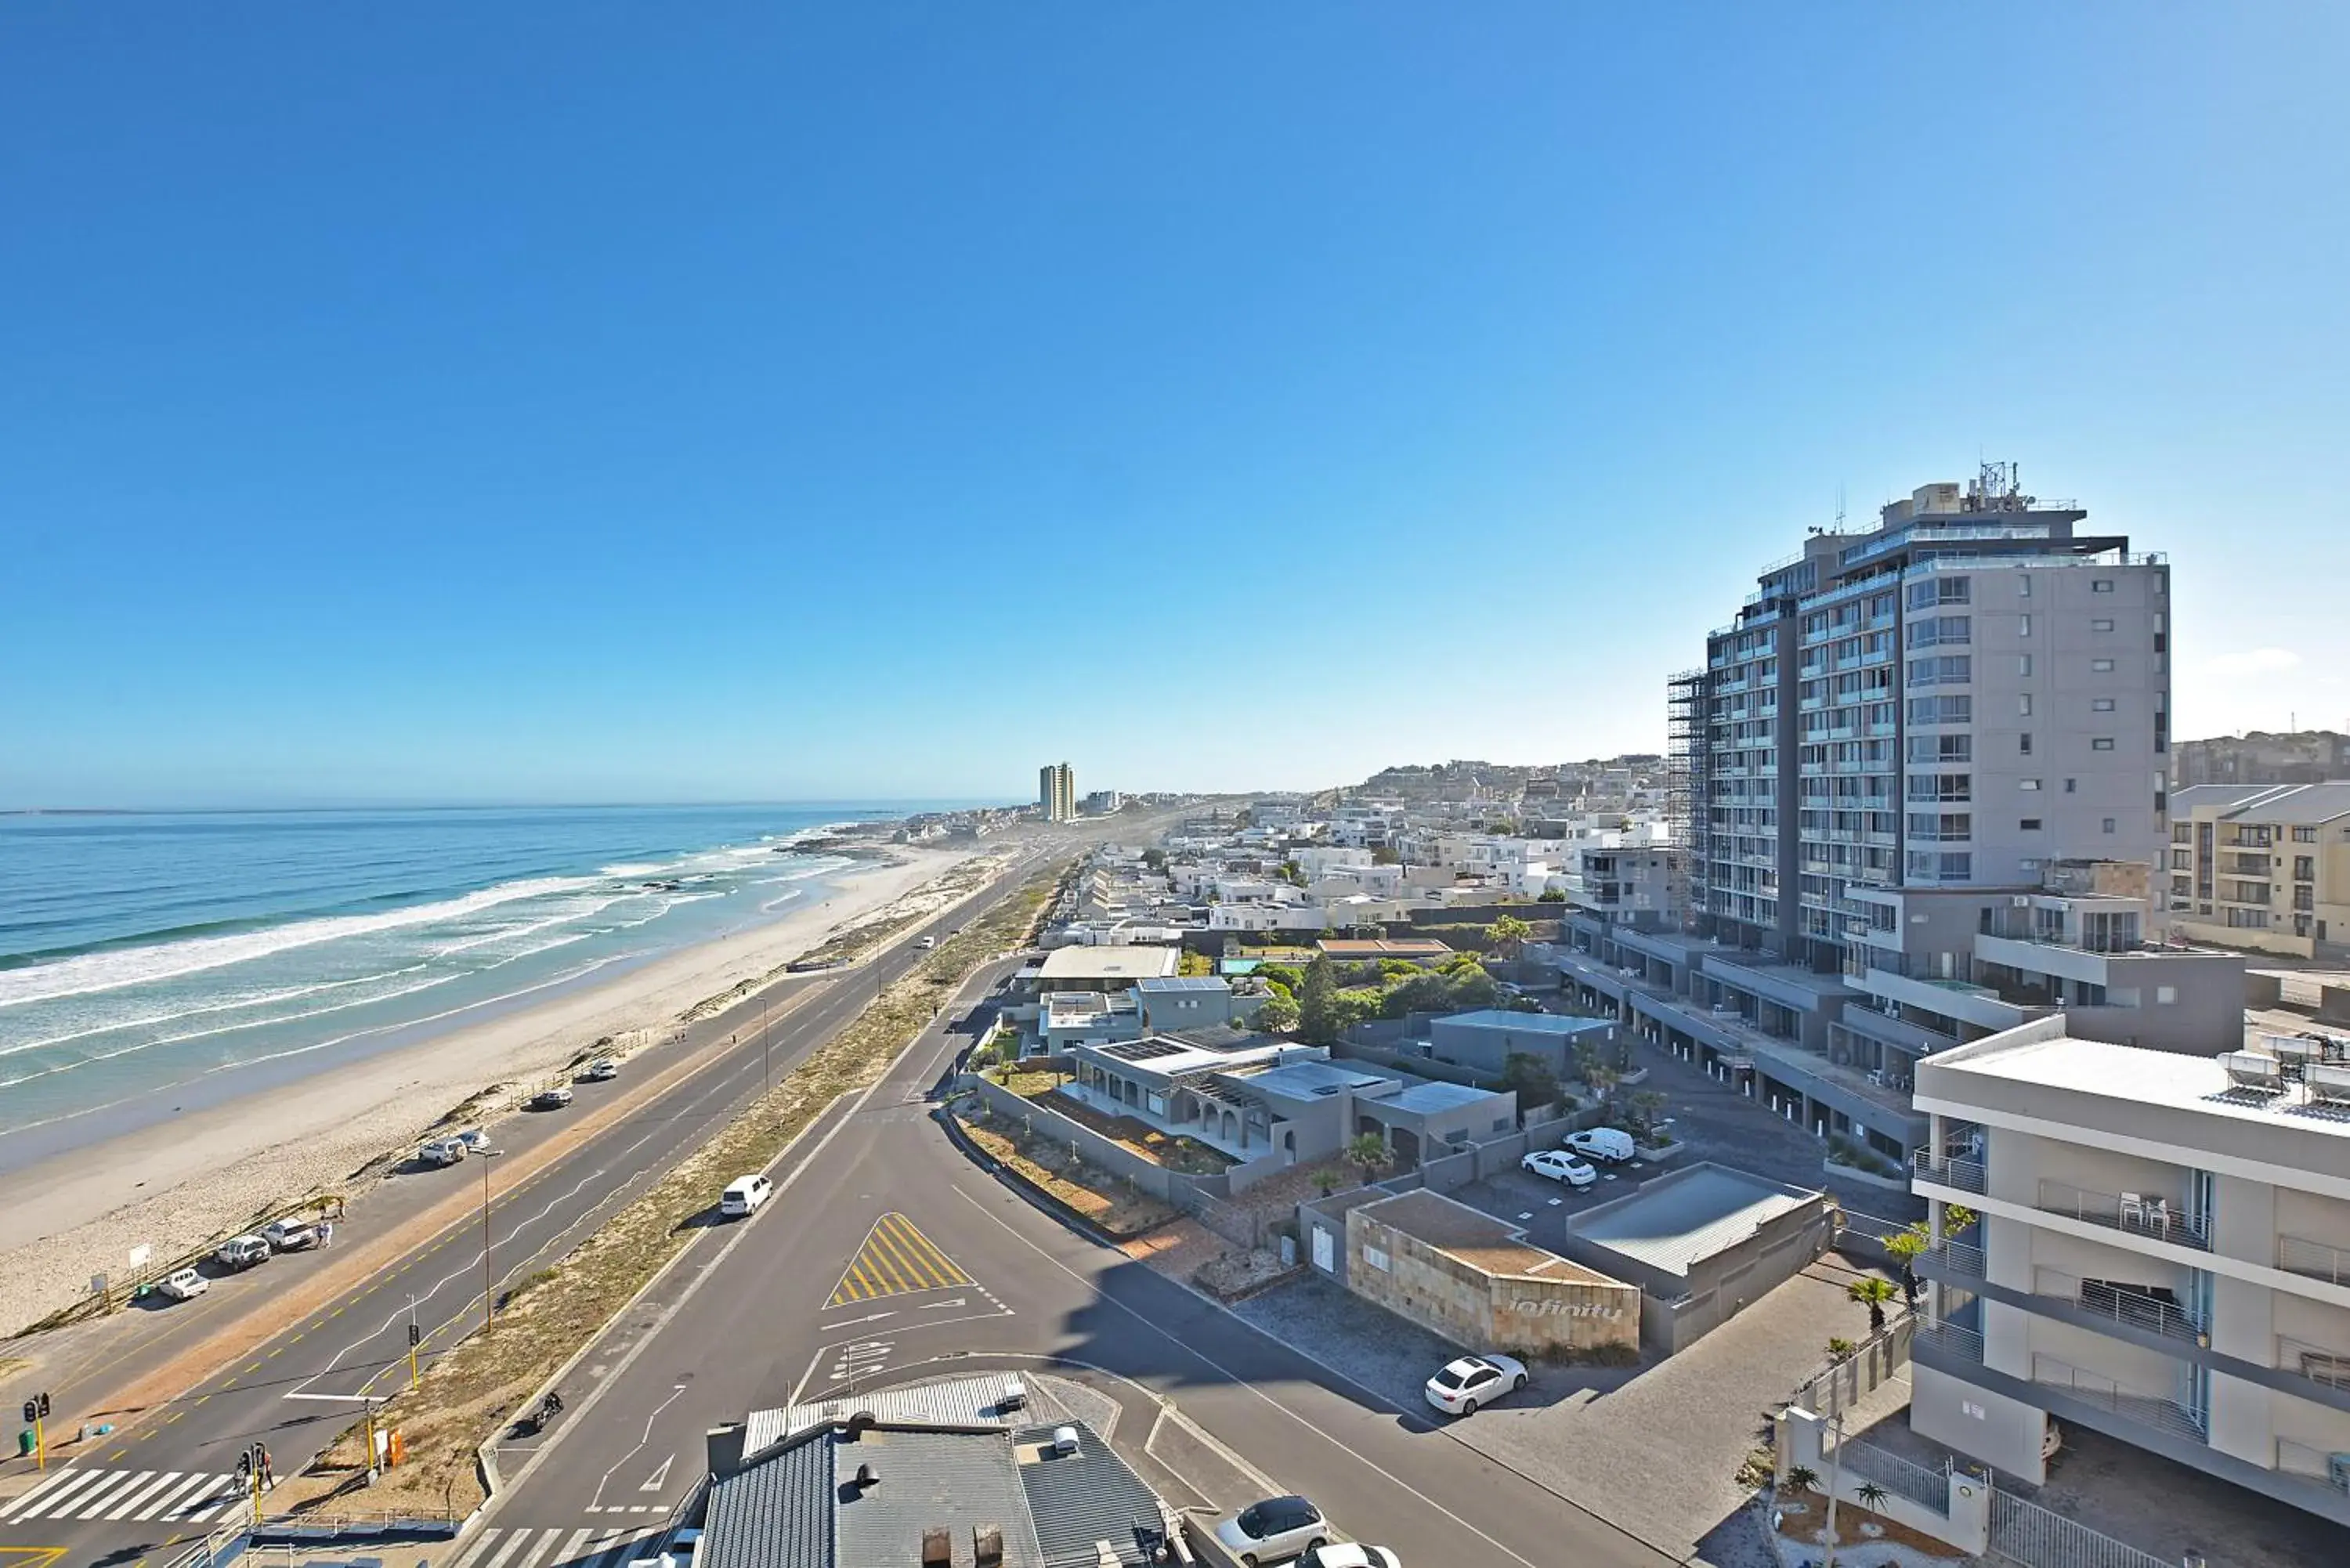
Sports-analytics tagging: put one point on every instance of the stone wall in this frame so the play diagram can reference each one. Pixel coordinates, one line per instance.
(1484, 1308)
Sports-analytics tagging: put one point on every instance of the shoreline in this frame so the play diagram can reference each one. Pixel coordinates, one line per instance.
(75, 1213)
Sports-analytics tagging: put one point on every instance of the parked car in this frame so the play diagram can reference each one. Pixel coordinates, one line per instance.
(289, 1235)
(602, 1070)
(1273, 1530)
(1349, 1554)
(473, 1139)
(1474, 1380)
(443, 1151)
(1610, 1145)
(1559, 1166)
(926, 942)
(552, 1100)
(185, 1286)
(742, 1195)
(241, 1252)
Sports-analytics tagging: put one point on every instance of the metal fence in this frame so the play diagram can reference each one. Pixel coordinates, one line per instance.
(1929, 1488)
(2026, 1534)
(1843, 1384)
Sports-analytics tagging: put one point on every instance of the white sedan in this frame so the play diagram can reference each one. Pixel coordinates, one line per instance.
(1559, 1166)
(1474, 1380)
(1349, 1554)
(184, 1285)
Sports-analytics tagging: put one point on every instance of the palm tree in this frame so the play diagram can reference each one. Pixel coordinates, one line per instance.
(1871, 1496)
(1508, 935)
(1368, 1153)
(1800, 1478)
(1873, 1294)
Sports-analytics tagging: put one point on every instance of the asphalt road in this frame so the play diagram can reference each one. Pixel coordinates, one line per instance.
(887, 1256)
(170, 1472)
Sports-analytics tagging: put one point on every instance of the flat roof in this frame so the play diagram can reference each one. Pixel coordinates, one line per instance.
(1428, 1094)
(1158, 984)
(1416, 947)
(1489, 1245)
(1678, 1219)
(1081, 962)
(1527, 1022)
(1308, 1080)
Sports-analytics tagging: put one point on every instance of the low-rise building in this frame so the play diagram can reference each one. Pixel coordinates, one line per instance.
(2160, 1251)
(1067, 1019)
(1476, 1281)
(1487, 1038)
(2265, 866)
(1170, 1003)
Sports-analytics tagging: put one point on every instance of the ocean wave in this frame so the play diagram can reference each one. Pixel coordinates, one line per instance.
(235, 1004)
(587, 912)
(117, 968)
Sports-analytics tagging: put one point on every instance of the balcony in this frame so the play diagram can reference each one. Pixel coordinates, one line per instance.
(2156, 1312)
(1966, 1175)
(2314, 1362)
(1956, 1343)
(2318, 1469)
(2095, 1388)
(1962, 1259)
(2313, 1260)
(2157, 1218)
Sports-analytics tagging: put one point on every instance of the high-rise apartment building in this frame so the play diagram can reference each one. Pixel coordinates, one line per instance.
(1056, 792)
(1973, 689)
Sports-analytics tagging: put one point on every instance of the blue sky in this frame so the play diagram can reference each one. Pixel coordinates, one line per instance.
(736, 400)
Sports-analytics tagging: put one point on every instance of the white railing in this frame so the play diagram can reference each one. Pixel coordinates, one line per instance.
(2157, 1217)
(2097, 1388)
(2313, 1260)
(1966, 1175)
(2136, 1308)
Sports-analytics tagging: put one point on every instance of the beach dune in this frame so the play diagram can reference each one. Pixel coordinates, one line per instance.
(173, 1185)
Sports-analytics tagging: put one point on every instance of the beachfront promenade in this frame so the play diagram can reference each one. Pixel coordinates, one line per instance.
(181, 1421)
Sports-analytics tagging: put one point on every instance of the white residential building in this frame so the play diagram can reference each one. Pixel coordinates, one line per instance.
(2162, 1254)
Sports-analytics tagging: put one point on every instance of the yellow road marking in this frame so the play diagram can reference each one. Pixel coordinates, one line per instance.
(201, 1397)
(120, 1452)
(230, 1384)
(894, 1259)
(279, 1351)
(174, 1417)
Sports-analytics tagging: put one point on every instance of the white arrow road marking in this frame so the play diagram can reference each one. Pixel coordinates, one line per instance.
(853, 1322)
(933, 1306)
(659, 1478)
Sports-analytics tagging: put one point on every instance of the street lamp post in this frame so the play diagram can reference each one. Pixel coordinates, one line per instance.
(489, 1279)
(767, 1044)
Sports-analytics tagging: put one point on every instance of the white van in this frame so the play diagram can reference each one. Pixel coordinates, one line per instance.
(1612, 1145)
(744, 1194)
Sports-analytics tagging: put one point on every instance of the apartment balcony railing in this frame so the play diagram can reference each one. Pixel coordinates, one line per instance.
(1959, 1343)
(2137, 1308)
(2135, 1213)
(2314, 1362)
(1962, 1258)
(1966, 1175)
(2312, 1465)
(2313, 1260)
(2097, 1388)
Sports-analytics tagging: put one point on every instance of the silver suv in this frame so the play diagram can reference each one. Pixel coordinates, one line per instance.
(1273, 1530)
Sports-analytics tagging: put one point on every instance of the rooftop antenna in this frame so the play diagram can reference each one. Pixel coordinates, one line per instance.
(1839, 522)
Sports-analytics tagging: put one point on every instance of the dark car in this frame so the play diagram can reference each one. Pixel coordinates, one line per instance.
(550, 1099)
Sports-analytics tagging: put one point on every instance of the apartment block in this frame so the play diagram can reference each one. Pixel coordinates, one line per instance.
(2262, 867)
(1056, 792)
(2160, 1252)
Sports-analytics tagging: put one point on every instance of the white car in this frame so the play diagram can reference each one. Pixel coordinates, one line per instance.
(602, 1070)
(1611, 1146)
(1350, 1554)
(1474, 1380)
(442, 1151)
(185, 1286)
(743, 1195)
(1273, 1530)
(289, 1235)
(1559, 1166)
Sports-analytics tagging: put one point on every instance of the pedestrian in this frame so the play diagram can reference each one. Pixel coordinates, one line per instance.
(268, 1475)
(326, 1233)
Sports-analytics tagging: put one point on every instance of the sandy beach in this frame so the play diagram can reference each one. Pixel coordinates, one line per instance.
(173, 1184)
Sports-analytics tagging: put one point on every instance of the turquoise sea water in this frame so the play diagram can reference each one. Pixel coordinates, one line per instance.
(139, 952)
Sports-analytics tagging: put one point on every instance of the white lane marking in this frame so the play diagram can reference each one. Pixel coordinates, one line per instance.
(481, 1544)
(48, 1484)
(144, 1493)
(642, 1439)
(626, 1549)
(515, 1540)
(1239, 1382)
(162, 1504)
(659, 1478)
(208, 1503)
(853, 1322)
(546, 1543)
(75, 1482)
(105, 1494)
(571, 1553)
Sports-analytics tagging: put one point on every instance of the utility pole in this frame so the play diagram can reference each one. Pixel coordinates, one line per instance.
(766, 1042)
(1835, 1480)
(413, 1339)
(489, 1279)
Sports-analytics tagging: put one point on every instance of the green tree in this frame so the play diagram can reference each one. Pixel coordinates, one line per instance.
(1531, 1078)
(1382, 856)
(1871, 1496)
(1474, 988)
(1155, 859)
(1646, 1105)
(1552, 895)
(1315, 1021)
(1287, 976)
(1293, 874)
(1508, 935)
(1279, 1015)
(1195, 964)
(1957, 1219)
(1873, 1294)
(1368, 1153)
(1906, 1247)
(1800, 1478)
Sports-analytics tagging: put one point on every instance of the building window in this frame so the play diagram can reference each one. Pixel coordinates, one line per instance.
(2101, 704)
(2024, 624)
(2029, 824)
(2100, 624)
(2166, 995)
(2108, 826)
(2305, 835)
(1942, 748)
(2023, 745)
(2023, 664)
(2027, 784)
(2022, 584)
(2102, 585)
(2102, 666)
(2100, 743)
(2071, 785)
(1939, 590)
(1950, 670)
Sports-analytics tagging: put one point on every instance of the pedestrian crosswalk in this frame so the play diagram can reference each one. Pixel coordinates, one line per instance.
(86, 1493)
(561, 1546)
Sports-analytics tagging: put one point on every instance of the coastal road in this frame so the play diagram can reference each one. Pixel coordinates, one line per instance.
(171, 1472)
(888, 1256)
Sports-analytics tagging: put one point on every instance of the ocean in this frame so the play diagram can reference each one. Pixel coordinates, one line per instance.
(145, 952)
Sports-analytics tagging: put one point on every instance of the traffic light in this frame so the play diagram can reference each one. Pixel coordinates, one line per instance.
(44, 1407)
(244, 1466)
(31, 1411)
(415, 1337)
